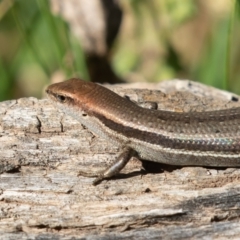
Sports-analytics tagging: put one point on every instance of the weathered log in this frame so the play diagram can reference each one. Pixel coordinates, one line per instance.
(42, 150)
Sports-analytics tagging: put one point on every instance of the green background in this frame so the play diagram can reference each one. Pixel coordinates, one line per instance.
(158, 40)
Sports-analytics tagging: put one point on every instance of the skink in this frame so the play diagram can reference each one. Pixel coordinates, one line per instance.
(209, 138)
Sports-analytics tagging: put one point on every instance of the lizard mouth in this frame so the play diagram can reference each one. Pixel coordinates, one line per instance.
(57, 97)
(50, 94)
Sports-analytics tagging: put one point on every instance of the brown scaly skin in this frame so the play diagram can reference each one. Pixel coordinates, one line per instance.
(196, 138)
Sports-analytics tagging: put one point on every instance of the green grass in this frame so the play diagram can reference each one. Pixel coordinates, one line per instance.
(35, 45)
(42, 41)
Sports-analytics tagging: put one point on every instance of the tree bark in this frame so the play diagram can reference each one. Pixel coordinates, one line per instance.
(42, 150)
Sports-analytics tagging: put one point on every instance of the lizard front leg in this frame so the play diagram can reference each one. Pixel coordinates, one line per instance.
(113, 169)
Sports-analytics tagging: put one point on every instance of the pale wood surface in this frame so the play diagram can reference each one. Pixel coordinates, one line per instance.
(42, 196)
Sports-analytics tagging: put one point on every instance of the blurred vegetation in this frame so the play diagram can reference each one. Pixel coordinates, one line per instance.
(161, 39)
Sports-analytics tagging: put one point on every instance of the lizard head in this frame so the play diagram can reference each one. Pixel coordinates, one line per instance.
(69, 91)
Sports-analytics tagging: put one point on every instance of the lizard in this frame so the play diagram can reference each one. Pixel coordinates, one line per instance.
(210, 138)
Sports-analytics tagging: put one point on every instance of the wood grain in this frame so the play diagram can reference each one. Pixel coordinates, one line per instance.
(42, 196)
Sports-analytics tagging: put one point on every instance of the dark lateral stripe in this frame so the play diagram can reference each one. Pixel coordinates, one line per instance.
(210, 144)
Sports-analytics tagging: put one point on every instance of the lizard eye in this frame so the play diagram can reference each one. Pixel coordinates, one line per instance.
(61, 98)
